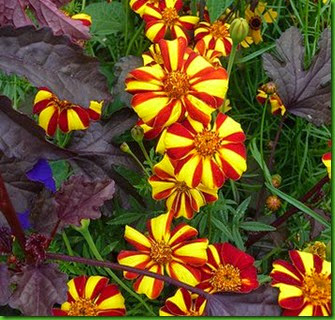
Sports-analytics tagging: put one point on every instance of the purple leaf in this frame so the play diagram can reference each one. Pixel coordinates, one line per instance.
(21, 138)
(13, 13)
(42, 172)
(5, 240)
(5, 291)
(52, 61)
(80, 198)
(46, 12)
(38, 288)
(261, 302)
(43, 215)
(21, 190)
(305, 93)
(60, 3)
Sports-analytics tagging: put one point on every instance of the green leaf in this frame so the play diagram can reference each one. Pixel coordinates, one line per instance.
(109, 248)
(299, 205)
(219, 225)
(256, 226)
(241, 209)
(124, 219)
(107, 18)
(217, 7)
(237, 238)
(257, 156)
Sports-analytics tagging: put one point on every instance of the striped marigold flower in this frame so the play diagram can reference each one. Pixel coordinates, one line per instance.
(212, 56)
(268, 91)
(206, 154)
(183, 200)
(92, 296)
(184, 303)
(139, 5)
(164, 20)
(84, 18)
(54, 113)
(327, 161)
(175, 252)
(185, 82)
(215, 35)
(304, 285)
(228, 269)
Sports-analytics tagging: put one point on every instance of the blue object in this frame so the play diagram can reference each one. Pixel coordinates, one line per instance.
(41, 172)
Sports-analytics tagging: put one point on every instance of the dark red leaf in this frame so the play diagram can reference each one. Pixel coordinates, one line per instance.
(38, 288)
(46, 12)
(52, 61)
(5, 291)
(80, 198)
(261, 302)
(305, 93)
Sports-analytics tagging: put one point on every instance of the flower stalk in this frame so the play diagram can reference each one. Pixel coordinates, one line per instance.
(116, 266)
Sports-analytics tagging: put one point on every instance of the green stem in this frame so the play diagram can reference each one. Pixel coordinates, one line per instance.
(231, 58)
(262, 129)
(132, 40)
(138, 162)
(87, 236)
(83, 5)
(126, 3)
(145, 153)
(67, 244)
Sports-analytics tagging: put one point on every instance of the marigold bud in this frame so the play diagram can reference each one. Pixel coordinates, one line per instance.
(84, 224)
(318, 248)
(273, 203)
(269, 88)
(137, 133)
(276, 180)
(239, 29)
(124, 147)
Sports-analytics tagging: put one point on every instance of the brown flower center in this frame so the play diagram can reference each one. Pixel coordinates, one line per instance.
(170, 16)
(176, 84)
(226, 278)
(207, 143)
(61, 104)
(182, 187)
(83, 307)
(317, 289)
(255, 23)
(161, 252)
(219, 30)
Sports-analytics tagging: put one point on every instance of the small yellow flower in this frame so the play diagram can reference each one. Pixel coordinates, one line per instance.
(255, 19)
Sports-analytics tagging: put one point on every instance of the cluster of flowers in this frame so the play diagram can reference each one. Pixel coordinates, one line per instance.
(304, 284)
(180, 96)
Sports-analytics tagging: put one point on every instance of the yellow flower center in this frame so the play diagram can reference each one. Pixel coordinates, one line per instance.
(219, 30)
(83, 307)
(161, 252)
(176, 84)
(170, 16)
(317, 289)
(255, 23)
(226, 278)
(207, 143)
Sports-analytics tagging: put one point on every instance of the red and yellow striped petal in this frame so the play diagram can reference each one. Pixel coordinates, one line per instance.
(42, 99)
(48, 120)
(95, 109)
(84, 18)
(173, 53)
(137, 239)
(149, 286)
(159, 227)
(183, 273)
(326, 159)
(75, 118)
(139, 5)
(192, 252)
(140, 260)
